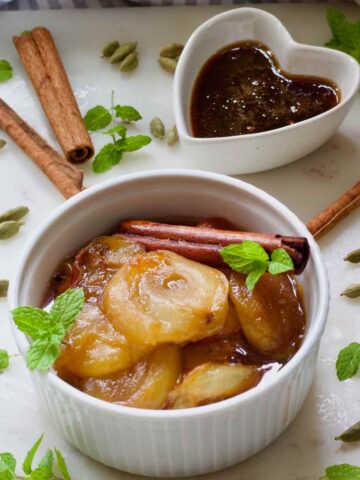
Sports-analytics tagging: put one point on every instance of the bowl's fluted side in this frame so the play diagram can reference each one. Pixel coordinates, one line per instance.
(185, 446)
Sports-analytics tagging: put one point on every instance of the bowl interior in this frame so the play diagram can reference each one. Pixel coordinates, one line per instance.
(253, 24)
(155, 195)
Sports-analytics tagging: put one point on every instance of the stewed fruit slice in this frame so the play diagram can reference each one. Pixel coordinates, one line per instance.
(212, 382)
(232, 323)
(145, 385)
(271, 315)
(228, 345)
(93, 348)
(96, 263)
(162, 297)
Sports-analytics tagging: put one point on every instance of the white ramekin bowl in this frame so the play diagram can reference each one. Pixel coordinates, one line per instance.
(179, 442)
(259, 151)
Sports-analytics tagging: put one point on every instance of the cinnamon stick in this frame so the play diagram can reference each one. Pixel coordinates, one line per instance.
(199, 252)
(217, 223)
(66, 177)
(334, 213)
(297, 247)
(43, 64)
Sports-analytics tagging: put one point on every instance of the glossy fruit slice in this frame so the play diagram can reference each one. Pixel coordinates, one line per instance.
(271, 315)
(211, 383)
(93, 348)
(96, 263)
(145, 385)
(163, 297)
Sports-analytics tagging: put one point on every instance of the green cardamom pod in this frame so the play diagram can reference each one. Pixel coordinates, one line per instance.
(172, 137)
(173, 50)
(353, 257)
(26, 32)
(14, 214)
(4, 286)
(9, 229)
(352, 291)
(157, 128)
(2, 143)
(110, 48)
(352, 434)
(122, 52)
(129, 63)
(168, 64)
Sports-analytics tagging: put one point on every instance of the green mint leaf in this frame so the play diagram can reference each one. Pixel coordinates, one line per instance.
(254, 276)
(117, 130)
(7, 465)
(43, 352)
(62, 465)
(57, 330)
(6, 71)
(343, 471)
(280, 262)
(66, 307)
(45, 469)
(108, 157)
(47, 460)
(127, 113)
(4, 360)
(97, 118)
(245, 257)
(348, 361)
(32, 321)
(346, 34)
(27, 465)
(6, 473)
(41, 473)
(130, 144)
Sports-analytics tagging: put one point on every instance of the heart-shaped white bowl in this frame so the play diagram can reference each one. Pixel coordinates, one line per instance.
(171, 443)
(260, 151)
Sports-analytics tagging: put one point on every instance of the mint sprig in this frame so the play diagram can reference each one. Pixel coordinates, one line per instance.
(7, 466)
(62, 465)
(343, 471)
(346, 34)
(252, 259)
(43, 471)
(111, 154)
(48, 330)
(4, 360)
(348, 361)
(27, 465)
(6, 71)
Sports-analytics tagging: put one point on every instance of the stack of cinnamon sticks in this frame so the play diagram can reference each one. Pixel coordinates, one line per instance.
(43, 64)
(204, 242)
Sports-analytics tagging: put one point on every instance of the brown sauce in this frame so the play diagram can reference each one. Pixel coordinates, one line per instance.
(93, 350)
(231, 348)
(242, 89)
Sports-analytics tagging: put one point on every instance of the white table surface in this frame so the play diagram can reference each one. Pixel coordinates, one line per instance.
(306, 186)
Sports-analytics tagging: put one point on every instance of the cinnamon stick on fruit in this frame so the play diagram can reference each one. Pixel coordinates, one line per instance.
(217, 223)
(43, 64)
(334, 213)
(200, 252)
(297, 247)
(66, 177)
